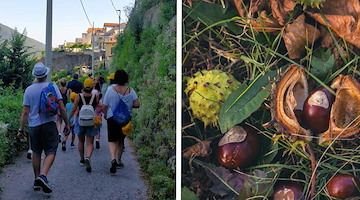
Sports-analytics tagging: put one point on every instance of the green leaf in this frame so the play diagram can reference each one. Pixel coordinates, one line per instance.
(187, 194)
(244, 101)
(210, 13)
(322, 63)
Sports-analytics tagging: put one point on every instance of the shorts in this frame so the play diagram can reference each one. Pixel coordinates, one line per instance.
(114, 131)
(44, 138)
(87, 130)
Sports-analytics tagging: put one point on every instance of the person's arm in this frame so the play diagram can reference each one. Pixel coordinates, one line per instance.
(64, 116)
(75, 106)
(136, 103)
(23, 119)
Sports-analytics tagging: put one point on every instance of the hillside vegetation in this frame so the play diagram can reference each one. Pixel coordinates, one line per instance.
(146, 51)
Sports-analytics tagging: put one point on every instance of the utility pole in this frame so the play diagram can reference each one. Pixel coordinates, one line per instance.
(48, 42)
(92, 54)
(119, 20)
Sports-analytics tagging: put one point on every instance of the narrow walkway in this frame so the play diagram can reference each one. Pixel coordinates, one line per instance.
(70, 180)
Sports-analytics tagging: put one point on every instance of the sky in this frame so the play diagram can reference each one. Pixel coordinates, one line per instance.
(69, 19)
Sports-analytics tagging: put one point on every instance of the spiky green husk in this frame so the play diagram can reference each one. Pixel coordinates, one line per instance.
(207, 91)
(311, 3)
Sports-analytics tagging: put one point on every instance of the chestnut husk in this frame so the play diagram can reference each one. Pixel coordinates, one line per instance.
(290, 92)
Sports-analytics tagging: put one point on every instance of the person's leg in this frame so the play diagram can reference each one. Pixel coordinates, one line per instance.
(119, 151)
(112, 149)
(48, 161)
(81, 146)
(36, 162)
(89, 146)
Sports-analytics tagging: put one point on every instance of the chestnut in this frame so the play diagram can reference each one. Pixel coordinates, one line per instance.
(238, 147)
(316, 109)
(288, 191)
(343, 186)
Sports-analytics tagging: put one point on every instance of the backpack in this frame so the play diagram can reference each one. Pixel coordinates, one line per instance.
(86, 114)
(121, 114)
(49, 102)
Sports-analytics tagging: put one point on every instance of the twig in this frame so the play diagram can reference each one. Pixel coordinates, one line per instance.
(313, 170)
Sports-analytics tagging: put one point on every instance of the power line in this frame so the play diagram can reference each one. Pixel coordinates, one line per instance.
(86, 14)
(116, 10)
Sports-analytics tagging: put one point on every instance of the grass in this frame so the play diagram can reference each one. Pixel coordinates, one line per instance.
(310, 164)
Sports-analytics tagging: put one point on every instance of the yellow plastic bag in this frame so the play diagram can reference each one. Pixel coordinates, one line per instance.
(127, 129)
(97, 122)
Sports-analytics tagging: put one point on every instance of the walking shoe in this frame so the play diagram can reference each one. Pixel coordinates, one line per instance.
(72, 146)
(88, 165)
(82, 162)
(29, 154)
(113, 166)
(44, 183)
(36, 185)
(97, 144)
(63, 145)
(119, 165)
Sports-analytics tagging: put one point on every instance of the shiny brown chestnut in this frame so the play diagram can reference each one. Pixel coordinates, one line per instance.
(239, 152)
(316, 109)
(343, 186)
(288, 191)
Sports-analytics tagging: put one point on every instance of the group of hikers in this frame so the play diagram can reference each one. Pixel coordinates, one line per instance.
(76, 108)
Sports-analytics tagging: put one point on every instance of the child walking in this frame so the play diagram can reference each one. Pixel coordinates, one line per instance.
(69, 106)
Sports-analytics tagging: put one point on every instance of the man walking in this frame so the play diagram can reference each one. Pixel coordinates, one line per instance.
(42, 127)
(75, 85)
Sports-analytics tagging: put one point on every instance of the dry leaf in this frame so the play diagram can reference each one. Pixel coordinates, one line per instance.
(281, 9)
(297, 35)
(342, 16)
(201, 149)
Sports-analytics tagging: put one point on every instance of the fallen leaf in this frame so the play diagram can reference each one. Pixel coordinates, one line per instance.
(281, 9)
(342, 16)
(201, 149)
(297, 35)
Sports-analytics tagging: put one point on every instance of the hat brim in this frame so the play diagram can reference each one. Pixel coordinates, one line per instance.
(42, 75)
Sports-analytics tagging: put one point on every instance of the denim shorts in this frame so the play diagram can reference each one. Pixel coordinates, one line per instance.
(44, 138)
(87, 130)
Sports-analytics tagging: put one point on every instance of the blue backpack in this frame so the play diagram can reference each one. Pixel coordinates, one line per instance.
(121, 114)
(49, 102)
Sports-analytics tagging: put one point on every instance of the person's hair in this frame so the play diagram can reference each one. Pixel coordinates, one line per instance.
(121, 77)
(76, 76)
(63, 82)
(97, 86)
(87, 90)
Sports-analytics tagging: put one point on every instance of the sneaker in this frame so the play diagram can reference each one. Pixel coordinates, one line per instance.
(29, 154)
(82, 162)
(119, 165)
(72, 146)
(88, 165)
(37, 185)
(44, 183)
(113, 166)
(97, 144)
(63, 145)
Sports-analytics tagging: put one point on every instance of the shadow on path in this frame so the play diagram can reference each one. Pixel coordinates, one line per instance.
(70, 180)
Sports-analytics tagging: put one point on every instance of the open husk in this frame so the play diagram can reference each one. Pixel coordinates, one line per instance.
(288, 94)
(345, 112)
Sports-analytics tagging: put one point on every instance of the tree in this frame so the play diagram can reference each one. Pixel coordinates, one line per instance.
(15, 61)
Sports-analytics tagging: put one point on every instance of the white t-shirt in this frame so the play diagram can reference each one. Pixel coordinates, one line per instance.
(32, 100)
(112, 98)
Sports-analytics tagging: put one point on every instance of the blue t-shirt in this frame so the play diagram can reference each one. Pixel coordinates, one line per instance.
(32, 100)
(112, 98)
(69, 106)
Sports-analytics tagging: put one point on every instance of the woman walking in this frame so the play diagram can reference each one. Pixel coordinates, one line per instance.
(85, 132)
(114, 93)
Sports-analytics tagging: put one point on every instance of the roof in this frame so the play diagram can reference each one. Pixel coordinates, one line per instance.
(111, 42)
(111, 24)
(95, 29)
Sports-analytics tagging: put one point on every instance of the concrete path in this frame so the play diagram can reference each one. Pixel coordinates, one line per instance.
(70, 181)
